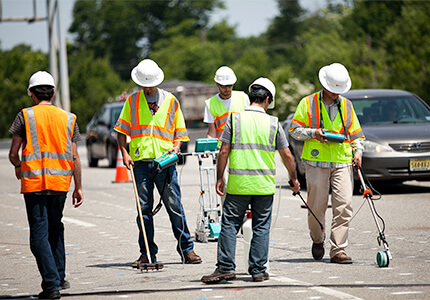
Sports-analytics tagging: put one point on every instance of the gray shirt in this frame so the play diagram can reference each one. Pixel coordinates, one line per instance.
(281, 139)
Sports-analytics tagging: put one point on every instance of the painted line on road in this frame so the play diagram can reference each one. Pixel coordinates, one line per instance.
(320, 289)
(78, 222)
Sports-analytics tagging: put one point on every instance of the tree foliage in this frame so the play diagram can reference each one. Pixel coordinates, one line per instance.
(384, 44)
(125, 30)
(16, 67)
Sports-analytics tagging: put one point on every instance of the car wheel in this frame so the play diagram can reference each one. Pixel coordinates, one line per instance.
(111, 156)
(92, 162)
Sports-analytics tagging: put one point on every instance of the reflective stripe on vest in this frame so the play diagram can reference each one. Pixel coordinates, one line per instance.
(220, 112)
(252, 156)
(151, 135)
(314, 114)
(308, 115)
(156, 127)
(47, 159)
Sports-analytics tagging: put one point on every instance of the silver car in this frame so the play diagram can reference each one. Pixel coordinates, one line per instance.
(396, 124)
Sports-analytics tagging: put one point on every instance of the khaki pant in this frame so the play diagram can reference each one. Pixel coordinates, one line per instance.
(319, 182)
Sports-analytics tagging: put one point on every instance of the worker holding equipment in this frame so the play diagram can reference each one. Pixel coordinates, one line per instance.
(328, 164)
(219, 107)
(49, 159)
(153, 119)
(249, 142)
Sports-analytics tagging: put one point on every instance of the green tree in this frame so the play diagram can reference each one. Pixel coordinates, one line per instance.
(286, 26)
(16, 67)
(92, 83)
(125, 30)
(409, 44)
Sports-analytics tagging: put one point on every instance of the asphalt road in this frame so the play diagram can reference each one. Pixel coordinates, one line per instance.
(101, 242)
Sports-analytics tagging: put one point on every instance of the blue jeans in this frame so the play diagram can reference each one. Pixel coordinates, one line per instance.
(147, 175)
(234, 209)
(44, 213)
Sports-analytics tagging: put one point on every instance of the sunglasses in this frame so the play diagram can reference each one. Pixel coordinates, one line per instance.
(225, 86)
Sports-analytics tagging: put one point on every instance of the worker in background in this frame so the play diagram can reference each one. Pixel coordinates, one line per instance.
(219, 107)
(153, 119)
(249, 142)
(328, 165)
(49, 160)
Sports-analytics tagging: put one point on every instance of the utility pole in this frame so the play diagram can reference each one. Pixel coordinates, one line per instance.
(57, 48)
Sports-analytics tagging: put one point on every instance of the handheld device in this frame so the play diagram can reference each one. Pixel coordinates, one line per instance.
(334, 137)
(208, 144)
(166, 160)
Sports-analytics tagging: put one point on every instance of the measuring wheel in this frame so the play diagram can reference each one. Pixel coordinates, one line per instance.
(382, 259)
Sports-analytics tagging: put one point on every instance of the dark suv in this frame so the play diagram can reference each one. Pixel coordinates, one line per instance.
(102, 139)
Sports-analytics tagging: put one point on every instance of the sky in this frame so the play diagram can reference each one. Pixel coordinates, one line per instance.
(251, 17)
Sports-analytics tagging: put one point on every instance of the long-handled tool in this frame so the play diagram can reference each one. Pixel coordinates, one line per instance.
(382, 257)
(290, 182)
(151, 265)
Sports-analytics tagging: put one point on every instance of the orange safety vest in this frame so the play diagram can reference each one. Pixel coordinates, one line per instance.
(47, 159)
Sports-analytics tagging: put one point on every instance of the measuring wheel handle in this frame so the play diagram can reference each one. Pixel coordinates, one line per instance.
(383, 259)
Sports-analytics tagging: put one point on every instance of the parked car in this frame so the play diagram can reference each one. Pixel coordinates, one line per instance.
(101, 139)
(396, 125)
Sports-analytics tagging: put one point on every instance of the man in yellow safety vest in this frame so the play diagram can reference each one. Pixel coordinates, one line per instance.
(328, 164)
(219, 107)
(154, 121)
(249, 142)
(48, 136)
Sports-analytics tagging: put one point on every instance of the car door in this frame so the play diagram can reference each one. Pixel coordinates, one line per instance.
(101, 128)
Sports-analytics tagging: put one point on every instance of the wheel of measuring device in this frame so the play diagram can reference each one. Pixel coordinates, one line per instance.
(382, 259)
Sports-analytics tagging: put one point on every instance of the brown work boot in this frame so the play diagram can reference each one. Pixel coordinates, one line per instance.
(141, 260)
(341, 258)
(218, 276)
(318, 251)
(192, 258)
(260, 277)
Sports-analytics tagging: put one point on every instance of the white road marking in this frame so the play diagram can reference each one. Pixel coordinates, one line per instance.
(330, 292)
(78, 222)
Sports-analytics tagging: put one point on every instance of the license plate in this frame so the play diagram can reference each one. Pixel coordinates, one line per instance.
(419, 165)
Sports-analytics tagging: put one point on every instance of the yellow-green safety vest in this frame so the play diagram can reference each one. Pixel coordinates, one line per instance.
(220, 112)
(308, 115)
(151, 135)
(252, 157)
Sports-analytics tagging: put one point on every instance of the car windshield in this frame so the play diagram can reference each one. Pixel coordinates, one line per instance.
(385, 110)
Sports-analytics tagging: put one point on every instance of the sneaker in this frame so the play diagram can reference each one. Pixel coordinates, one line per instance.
(55, 294)
(218, 276)
(192, 258)
(64, 285)
(341, 258)
(318, 251)
(260, 277)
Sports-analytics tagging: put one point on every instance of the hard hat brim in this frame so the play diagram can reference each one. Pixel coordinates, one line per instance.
(152, 83)
(331, 88)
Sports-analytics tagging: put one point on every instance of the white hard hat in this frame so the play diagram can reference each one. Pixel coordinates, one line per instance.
(225, 76)
(40, 78)
(335, 78)
(268, 85)
(147, 73)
